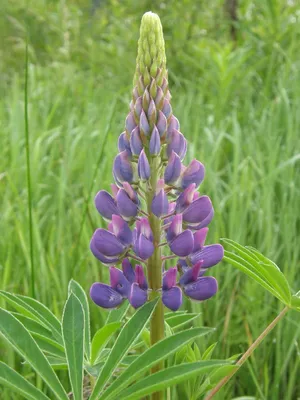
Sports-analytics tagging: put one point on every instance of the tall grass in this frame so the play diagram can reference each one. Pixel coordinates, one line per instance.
(239, 108)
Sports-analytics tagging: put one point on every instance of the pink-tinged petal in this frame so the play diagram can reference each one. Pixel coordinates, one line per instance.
(183, 244)
(173, 169)
(114, 190)
(128, 270)
(191, 274)
(143, 227)
(118, 281)
(194, 173)
(172, 298)
(106, 243)
(175, 228)
(198, 211)
(140, 277)
(202, 289)
(169, 278)
(127, 208)
(199, 239)
(131, 193)
(106, 204)
(121, 230)
(185, 198)
(137, 296)
(105, 296)
(211, 255)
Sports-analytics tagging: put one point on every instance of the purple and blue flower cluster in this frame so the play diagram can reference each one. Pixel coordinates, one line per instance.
(155, 211)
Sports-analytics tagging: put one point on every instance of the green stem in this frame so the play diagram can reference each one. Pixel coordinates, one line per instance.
(248, 353)
(155, 271)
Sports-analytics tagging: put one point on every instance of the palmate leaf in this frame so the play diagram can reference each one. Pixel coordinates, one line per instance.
(19, 337)
(260, 268)
(125, 339)
(151, 357)
(169, 377)
(80, 294)
(73, 336)
(17, 383)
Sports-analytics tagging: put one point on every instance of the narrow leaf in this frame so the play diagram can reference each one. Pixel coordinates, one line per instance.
(12, 379)
(127, 336)
(101, 338)
(169, 377)
(18, 336)
(152, 356)
(178, 321)
(118, 314)
(80, 293)
(73, 336)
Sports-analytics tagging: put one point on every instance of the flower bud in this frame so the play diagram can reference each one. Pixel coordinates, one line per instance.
(194, 173)
(143, 166)
(136, 144)
(122, 169)
(154, 145)
(173, 169)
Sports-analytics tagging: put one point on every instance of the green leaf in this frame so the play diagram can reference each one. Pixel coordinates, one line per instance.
(118, 314)
(101, 338)
(33, 326)
(34, 309)
(18, 336)
(151, 357)
(295, 302)
(80, 293)
(169, 377)
(12, 379)
(260, 268)
(208, 352)
(178, 321)
(48, 345)
(58, 363)
(215, 377)
(127, 336)
(73, 336)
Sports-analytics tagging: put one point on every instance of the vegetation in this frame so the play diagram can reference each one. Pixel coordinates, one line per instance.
(238, 103)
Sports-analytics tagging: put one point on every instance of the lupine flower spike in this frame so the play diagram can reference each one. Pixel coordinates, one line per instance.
(155, 212)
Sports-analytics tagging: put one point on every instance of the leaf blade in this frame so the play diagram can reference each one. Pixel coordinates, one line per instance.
(73, 336)
(101, 337)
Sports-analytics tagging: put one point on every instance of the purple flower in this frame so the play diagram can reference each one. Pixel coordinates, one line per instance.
(143, 239)
(127, 202)
(110, 246)
(111, 296)
(124, 144)
(194, 173)
(199, 213)
(196, 286)
(122, 169)
(177, 143)
(106, 204)
(136, 144)
(154, 145)
(173, 169)
(171, 294)
(181, 242)
(139, 290)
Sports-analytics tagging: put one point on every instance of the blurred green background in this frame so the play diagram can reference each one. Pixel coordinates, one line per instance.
(236, 92)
